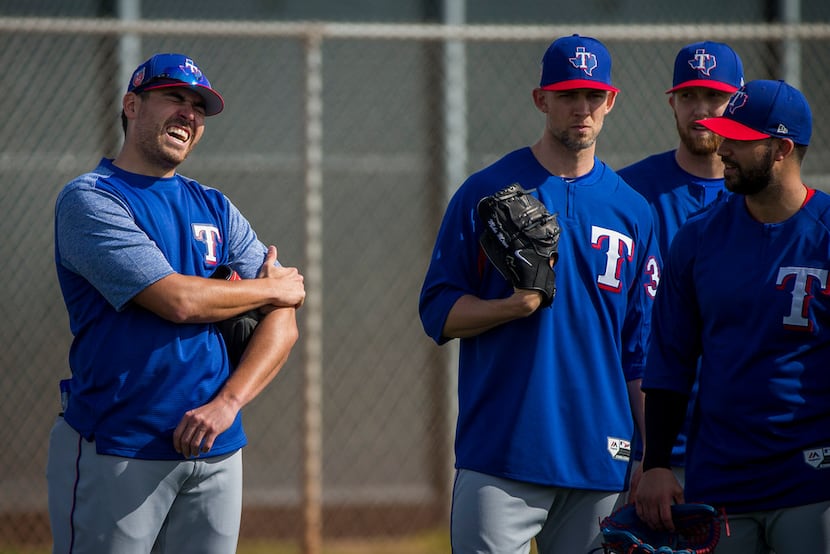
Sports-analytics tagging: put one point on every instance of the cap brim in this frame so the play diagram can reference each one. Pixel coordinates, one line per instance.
(214, 103)
(579, 83)
(704, 83)
(731, 129)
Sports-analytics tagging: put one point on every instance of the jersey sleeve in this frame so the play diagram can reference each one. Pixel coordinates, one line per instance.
(245, 251)
(97, 238)
(637, 324)
(675, 340)
(452, 271)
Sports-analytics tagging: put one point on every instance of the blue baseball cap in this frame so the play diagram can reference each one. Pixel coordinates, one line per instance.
(576, 62)
(175, 70)
(762, 109)
(708, 64)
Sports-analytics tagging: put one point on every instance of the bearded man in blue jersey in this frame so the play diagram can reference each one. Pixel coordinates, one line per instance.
(683, 181)
(746, 290)
(146, 455)
(547, 396)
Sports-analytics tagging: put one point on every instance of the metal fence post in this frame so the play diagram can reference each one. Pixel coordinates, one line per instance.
(313, 336)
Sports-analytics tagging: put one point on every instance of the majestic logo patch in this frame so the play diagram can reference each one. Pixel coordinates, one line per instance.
(818, 458)
(584, 60)
(620, 449)
(703, 62)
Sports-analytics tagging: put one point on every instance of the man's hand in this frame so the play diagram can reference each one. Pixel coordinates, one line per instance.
(290, 291)
(657, 490)
(529, 300)
(634, 483)
(199, 427)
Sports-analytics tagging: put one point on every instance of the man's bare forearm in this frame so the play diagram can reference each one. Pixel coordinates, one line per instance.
(265, 355)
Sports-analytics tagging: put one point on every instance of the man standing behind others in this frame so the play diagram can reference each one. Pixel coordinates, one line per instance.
(682, 181)
(546, 394)
(746, 290)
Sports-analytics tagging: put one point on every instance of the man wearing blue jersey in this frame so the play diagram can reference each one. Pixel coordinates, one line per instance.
(146, 455)
(746, 289)
(682, 181)
(546, 395)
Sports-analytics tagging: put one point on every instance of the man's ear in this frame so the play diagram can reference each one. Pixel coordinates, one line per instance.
(784, 148)
(129, 104)
(610, 100)
(540, 100)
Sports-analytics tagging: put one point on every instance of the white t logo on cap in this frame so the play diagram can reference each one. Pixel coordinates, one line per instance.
(703, 62)
(188, 63)
(584, 60)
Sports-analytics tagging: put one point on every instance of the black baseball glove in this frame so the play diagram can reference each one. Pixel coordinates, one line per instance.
(521, 238)
(697, 531)
(236, 330)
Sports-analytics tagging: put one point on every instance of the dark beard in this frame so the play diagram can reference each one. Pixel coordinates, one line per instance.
(754, 180)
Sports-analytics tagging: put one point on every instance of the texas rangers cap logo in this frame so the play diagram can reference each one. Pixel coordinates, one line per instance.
(584, 60)
(737, 101)
(191, 67)
(703, 62)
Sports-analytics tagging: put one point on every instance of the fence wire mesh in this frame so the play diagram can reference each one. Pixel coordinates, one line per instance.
(386, 409)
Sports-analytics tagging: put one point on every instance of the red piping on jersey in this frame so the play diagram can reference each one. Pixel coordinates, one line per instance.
(810, 194)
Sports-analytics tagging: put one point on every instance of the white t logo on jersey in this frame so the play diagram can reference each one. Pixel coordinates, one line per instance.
(620, 247)
(209, 235)
(802, 286)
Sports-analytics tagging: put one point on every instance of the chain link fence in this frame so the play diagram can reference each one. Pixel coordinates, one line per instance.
(342, 163)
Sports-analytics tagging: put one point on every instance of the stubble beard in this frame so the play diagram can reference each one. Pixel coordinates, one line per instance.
(576, 144)
(152, 146)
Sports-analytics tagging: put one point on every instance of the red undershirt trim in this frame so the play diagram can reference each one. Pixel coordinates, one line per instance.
(810, 194)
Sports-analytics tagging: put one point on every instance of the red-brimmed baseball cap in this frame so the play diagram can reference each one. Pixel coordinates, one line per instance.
(175, 70)
(762, 109)
(576, 62)
(708, 64)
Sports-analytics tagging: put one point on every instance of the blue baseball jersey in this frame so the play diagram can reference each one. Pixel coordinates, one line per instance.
(752, 300)
(544, 399)
(135, 374)
(674, 195)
